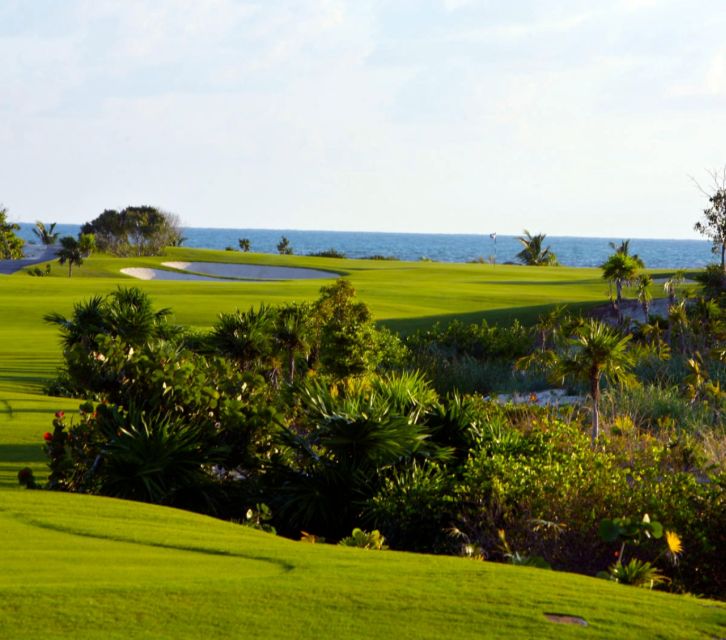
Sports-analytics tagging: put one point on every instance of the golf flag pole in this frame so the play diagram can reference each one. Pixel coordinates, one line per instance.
(493, 236)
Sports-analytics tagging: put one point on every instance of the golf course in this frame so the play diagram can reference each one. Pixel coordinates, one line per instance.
(95, 567)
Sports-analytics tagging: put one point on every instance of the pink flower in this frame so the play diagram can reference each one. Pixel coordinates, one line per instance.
(59, 414)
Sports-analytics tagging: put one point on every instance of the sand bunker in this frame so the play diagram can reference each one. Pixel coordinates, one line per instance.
(160, 274)
(220, 271)
(250, 271)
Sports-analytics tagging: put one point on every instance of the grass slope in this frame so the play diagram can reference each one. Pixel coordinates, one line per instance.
(82, 566)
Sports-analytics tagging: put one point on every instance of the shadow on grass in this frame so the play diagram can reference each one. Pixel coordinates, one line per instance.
(21, 452)
(526, 315)
(284, 566)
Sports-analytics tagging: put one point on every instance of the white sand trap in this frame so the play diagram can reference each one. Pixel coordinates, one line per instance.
(251, 271)
(159, 274)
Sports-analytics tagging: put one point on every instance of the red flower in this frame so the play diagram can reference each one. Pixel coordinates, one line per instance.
(616, 554)
(59, 414)
(47, 436)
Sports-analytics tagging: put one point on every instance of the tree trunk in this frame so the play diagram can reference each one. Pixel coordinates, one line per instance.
(292, 366)
(595, 393)
(723, 257)
(70, 268)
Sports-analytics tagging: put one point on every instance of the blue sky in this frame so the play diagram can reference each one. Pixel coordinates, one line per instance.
(568, 118)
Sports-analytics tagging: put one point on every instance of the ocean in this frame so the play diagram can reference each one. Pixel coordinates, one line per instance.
(570, 251)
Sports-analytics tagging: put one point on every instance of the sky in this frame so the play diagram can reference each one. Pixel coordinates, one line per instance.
(449, 116)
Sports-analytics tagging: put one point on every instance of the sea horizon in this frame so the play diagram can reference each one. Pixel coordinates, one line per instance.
(575, 251)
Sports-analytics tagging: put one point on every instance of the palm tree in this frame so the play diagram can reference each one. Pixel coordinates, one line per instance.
(643, 283)
(293, 333)
(624, 249)
(671, 286)
(74, 251)
(596, 351)
(621, 269)
(45, 233)
(244, 244)
(533, 253)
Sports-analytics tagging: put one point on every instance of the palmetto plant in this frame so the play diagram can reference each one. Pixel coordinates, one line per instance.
(245, 337)
(155, 458)
(293, 333)
(534, 253)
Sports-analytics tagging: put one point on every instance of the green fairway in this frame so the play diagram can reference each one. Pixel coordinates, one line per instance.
(81, 566)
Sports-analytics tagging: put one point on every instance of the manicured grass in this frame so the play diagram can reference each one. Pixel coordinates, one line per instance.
(81, 566)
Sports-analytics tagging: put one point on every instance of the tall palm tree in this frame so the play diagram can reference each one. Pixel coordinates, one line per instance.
(74, 251)
(534, 253)
(594, 352)
(620, 269)
(45, 233)
(643, 283)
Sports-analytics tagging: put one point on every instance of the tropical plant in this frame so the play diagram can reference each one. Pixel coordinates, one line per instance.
(293, 333)
(11, 246)
(643, 284)
(621, 269)
(45, 233)
(244, 244)
(671, 285)
(534, 253)
(624, 249)
(283, 247)
(74, 251)
(636, 573)
(365, 540)
(245, 337)
(594, 352)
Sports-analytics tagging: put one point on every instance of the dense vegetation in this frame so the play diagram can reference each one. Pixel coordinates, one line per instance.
(313, 419)
(140, 231)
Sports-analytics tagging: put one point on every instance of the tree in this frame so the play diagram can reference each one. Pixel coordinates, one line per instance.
(11, 246)
(244, 244)
(643, 283)
(713, 224)
(140, 230)
(283, 247)
(293, 333)
(593, 352)
(45, 233)
(621, 269)
(624, 249)
(533, 253)
(74, 251)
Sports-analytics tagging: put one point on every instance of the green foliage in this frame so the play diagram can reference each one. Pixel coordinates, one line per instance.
(11, 246)
(74, 251)
(636, 573)
(244, 245)
(139, 230)
(45, 233)
(629, 529)
(365, 540)
(328, 253)
(284, 248)
(534, 253)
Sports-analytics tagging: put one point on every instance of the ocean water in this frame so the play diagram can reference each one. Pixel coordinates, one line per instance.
(571, 251)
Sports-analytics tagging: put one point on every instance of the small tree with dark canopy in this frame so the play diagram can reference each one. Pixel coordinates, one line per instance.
(141, 231)
(11, 246)
(74, 251)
